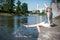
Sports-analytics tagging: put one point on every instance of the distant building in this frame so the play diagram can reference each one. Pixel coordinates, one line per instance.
(55, 4)
(37, 9)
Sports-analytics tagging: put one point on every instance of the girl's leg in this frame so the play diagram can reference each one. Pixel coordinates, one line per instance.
(30, 25)
(37, 25)
(38, 28)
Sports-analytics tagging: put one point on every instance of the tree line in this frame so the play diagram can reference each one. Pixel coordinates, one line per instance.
(9, 6)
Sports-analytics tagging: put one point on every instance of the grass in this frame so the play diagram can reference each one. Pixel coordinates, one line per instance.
(42, 14)
(6, 14)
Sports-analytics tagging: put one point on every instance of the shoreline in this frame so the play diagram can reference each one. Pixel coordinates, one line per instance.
(7, 14)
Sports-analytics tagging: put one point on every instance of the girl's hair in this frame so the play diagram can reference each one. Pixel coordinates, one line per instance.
(48, 8)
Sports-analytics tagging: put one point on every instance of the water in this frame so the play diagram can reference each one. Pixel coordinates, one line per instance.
(13, 26)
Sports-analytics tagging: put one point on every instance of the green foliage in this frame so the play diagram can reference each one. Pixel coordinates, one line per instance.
(21, 9)
(8, 7)
(1, 4)
(1, 1)
(58, 1)
(37, 12)
(43, 13)
(24, 8)
(18, 8)
(30, 11)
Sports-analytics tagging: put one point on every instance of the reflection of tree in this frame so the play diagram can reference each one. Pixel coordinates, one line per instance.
(9, 22)
(23, 20)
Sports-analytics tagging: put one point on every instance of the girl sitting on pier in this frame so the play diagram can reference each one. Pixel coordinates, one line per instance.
(48, 21)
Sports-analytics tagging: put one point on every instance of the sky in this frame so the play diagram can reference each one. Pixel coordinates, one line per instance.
(32, 4)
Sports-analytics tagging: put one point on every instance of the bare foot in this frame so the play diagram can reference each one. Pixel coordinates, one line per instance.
(26, 26)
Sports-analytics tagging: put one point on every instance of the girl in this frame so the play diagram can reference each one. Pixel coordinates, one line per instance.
(48, 21)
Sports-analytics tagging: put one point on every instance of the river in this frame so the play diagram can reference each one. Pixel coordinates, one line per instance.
(13, 25)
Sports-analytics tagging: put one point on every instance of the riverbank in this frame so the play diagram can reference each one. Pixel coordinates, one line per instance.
(6, 14)
(12, 14)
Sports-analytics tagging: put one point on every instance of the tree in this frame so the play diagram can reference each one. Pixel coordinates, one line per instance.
(9, 6)
(1, 4)
(18, 9)
(38, 11)
(6, 7)
(58, 1)
(24, 8)
(43, 12)
(11, 9)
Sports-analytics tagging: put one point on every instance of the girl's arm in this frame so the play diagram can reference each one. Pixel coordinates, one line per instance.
(48, 15)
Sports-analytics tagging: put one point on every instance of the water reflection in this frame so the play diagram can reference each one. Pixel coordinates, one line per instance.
(21, 30)
(6, 27)
(35, 19)
(14, 26)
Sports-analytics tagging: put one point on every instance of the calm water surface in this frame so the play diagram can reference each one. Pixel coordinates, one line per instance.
(13, 26)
